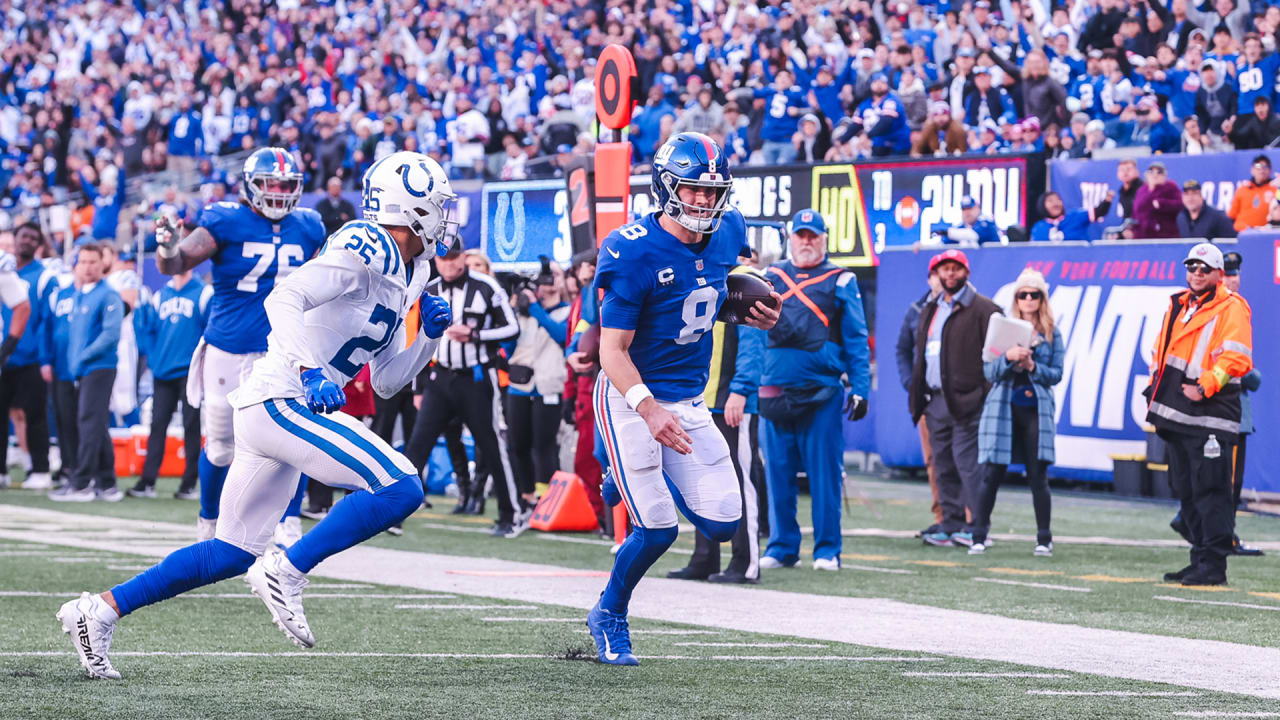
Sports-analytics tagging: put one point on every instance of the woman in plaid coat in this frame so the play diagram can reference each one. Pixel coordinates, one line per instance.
(1017, 424)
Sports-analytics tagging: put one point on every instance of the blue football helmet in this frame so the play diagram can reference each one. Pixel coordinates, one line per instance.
(271, 182)
(693, 159)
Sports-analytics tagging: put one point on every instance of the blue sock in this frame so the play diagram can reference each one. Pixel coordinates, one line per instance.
(295, 505)
(638, 553)
(716, 530)
(211, 479)
(356, 518)
(191, 567)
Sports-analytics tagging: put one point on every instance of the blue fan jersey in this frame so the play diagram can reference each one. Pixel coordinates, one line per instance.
(670, 296)
(253, 252)
(58, 332)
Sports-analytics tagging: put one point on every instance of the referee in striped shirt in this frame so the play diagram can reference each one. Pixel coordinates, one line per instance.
(462, 382)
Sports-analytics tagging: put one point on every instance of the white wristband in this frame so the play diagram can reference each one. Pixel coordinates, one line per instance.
(167, 251)
(637, 395)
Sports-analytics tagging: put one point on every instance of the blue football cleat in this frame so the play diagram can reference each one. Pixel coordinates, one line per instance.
(613, 639)
(609, 489)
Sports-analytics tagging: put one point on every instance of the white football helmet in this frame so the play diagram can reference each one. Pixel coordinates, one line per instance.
(411, 190)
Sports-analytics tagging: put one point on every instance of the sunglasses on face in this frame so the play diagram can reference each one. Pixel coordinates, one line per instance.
(1030, 295)
(1196, 268)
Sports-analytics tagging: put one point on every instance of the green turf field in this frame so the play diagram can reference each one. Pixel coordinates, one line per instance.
(221, 656)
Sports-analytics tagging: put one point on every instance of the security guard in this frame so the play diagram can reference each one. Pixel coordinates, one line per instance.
(1204, 347)
(821, 336)
(737, 357)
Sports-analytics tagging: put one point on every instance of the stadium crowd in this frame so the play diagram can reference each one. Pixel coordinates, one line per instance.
(93, 90)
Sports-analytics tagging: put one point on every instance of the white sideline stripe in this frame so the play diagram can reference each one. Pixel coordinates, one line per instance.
(1223, 714)
(341, 586)
(133, 568)
(471, 656)
(1042, 586)
(537, 620)
(1223, 603)
(872, 568)
(891, 625)
(559, 538)
(1116, 693)
(247, 596)
(749, 644)
(466, 607)
(54, 553)
(1036, 676)
(676, 632)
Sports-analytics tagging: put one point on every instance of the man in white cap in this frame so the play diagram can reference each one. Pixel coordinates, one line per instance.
(1204, 346)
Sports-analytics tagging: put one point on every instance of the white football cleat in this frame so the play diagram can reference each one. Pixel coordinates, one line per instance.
(288, 531)
(38, 481)
(1043, 550)
(205, 528)
(830, 564)
(977, 549)
(275, 581)
(82, 620)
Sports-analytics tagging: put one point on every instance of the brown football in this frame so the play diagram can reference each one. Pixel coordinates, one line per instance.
(745, 289)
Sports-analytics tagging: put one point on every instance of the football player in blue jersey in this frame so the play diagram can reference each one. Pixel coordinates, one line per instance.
(253, 243)
(663, 279)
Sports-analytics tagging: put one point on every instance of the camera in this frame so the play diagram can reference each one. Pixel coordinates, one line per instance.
(516, 283)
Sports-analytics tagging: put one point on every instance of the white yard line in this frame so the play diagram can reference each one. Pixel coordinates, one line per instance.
(247, 596)
(872, 568)
(1042, 586)
(873, 622)
(749, 644)
(990, 675)
(477, 656)
(1223, 714)
(1115, 693)
(1222, 603)
(536, 620)
(465, 607)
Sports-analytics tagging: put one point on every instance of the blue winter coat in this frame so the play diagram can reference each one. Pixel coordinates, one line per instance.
(995, 428)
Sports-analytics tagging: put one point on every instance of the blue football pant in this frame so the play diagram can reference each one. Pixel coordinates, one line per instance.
(816, 446)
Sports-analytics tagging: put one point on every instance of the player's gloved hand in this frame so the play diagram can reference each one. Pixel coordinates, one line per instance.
(856, 407)
(322, 395)
(436, 315)
(166, 233)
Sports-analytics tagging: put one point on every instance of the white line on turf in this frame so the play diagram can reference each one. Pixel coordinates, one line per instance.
(1036, 676)
(487, 531)
(133, 568)
(476, 656)
(1223, 714)
(246, 596)
(1115, 693)
(1042, 586)
(749, 644)
(466, 607)
(872, 568)
(339, 586)
(535, 620)
(1249, 606)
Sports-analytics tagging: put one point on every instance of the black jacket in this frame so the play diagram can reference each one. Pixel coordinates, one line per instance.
(1250, 133)
(1212, 223)
(964, 381)
(335, 213)
(905, 352)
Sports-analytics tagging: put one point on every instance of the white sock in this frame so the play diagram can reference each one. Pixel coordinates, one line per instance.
(102, 611)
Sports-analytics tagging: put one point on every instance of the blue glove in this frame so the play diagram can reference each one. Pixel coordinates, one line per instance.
(436, 315)
(322, 395)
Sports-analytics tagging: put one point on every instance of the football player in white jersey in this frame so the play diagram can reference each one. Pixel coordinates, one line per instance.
(329, 318)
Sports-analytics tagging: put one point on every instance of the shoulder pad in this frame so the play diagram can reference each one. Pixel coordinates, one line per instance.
(371, 243)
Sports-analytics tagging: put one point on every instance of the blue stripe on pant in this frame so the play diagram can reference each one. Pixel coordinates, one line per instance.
(815, 446)
(273, 408)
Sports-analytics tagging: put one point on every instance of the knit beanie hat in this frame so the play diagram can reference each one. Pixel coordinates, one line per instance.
(1031, 278)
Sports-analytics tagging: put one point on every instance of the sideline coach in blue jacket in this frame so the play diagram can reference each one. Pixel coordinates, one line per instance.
(96, 318)
(169, 328)
(820, 338)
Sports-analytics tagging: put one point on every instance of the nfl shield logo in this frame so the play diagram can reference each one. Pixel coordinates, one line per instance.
(697, 264)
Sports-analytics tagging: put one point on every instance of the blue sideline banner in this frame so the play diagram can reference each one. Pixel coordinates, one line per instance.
(1108, 302)
(1084, 183)
(525, 219)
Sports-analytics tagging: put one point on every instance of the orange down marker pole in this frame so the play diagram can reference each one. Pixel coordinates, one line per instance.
(616, 92)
